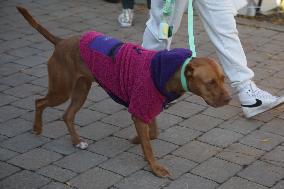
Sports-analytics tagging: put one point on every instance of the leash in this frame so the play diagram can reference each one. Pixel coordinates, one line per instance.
(191, 45)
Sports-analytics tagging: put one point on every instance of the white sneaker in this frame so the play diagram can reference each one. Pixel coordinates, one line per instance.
(255, 101)
(125, 19)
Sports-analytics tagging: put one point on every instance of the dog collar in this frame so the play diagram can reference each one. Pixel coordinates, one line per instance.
(182, 75)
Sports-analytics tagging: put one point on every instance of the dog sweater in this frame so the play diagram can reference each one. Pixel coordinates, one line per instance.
(132, 76)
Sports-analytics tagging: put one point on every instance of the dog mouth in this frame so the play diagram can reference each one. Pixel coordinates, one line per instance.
(218, 103)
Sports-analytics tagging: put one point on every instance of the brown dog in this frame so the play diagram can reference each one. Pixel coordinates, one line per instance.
(69, 77)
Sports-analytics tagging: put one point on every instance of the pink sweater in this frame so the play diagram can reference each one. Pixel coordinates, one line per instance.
(126, 76)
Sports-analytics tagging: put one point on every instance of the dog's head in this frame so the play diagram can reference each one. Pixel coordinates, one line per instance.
(206, 79)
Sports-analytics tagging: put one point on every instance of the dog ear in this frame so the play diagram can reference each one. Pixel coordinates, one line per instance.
(189, 70)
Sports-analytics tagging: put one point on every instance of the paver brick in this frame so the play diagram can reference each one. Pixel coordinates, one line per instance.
(110, 146)
(17, 79)
(189, 181)
(127, 132)
(2, 138)
(56, 173)
(262, 173)
(56, 185)
(124, 164)
(61, 145)
(179, 135)
(35, 159)
(16, 43)
(275, 157)
(7, 169)
(37, 71)
(275, 126)
(25, 90)
(55, 129)
(160, 148)
(24, 142)
(240, 154)
(6, 154)
(176, 165)
(80, 161)
(194, 98)
(165, 120)
(184, 109)
(14, 127)
(97, 130)
(25, 103)
(5, 58)
(241, 125)
(3, 87)
(279, 185)
(95, 178)
(97, 94)
(120, 119)
(262, 140)
(10, 112)
(224, 113)
(6, 99)
(237, 183)
(24, 180)
(142, 180)
(201, 122)
(217, 169)
(220, 137)
(197, 151)
(43, 82)
(24, 51)
(87, 116)
(49, 114)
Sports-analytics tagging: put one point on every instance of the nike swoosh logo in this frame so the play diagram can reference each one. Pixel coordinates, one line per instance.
(257, 103)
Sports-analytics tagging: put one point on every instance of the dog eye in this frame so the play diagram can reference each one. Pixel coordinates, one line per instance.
(210, 83)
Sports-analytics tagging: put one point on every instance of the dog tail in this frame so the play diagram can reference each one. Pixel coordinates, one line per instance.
(49, 36)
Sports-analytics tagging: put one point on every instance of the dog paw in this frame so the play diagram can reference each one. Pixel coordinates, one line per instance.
(82, 145)
(37, 132)
(160, 171)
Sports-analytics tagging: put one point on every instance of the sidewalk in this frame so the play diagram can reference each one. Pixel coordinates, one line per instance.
(204, 148)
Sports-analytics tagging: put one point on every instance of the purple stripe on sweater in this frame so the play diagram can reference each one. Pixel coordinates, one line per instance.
(104, 44)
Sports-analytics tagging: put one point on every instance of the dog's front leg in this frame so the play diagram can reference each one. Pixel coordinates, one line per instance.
(143, 133)
(153, 132)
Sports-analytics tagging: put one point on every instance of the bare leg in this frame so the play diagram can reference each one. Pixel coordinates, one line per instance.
(143, 133)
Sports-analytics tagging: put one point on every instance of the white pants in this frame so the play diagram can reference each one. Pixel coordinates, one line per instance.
(218, 19)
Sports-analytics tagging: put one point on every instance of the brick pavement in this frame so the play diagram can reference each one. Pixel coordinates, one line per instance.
(203, 147)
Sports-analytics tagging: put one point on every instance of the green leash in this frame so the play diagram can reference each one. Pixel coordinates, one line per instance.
(191, 46)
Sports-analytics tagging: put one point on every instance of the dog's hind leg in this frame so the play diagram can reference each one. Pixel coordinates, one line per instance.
(40, 105)
(78, 98)
(153, 132)
(55, 96)
(50, 100)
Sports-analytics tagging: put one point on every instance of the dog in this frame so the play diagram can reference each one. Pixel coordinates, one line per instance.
(142, 80)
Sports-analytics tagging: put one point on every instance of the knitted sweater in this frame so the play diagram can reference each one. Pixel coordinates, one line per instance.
(131, 75)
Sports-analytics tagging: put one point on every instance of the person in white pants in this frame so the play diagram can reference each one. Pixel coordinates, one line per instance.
(218, 19)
